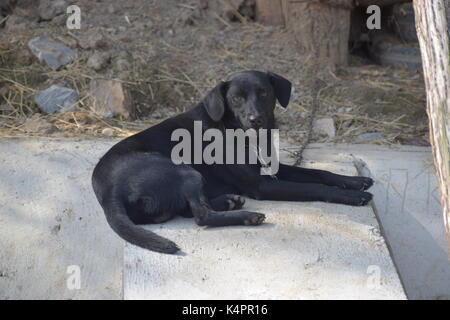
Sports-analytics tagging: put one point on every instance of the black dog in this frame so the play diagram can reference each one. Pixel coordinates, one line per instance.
(136, 181)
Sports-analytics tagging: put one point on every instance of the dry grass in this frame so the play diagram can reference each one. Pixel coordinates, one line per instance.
(361, 98)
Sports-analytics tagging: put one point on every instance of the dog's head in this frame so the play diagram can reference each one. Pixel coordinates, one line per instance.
(248, 99)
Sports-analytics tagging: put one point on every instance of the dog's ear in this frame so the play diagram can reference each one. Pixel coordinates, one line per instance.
(282, 88)
(214, 101)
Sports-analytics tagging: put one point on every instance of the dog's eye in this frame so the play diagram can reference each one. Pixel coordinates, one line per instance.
(263, 93)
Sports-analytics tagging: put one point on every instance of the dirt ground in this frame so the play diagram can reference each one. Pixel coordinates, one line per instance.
(170, 53)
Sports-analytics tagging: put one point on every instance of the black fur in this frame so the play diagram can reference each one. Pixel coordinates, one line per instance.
(136, 181)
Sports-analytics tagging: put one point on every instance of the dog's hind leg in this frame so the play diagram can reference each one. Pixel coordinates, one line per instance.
(203, 210)
(205, 216)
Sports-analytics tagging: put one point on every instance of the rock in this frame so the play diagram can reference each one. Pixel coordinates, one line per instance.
(110, 99)
(92, 40)
(56, 99)
(48, 9)
(344, 110)
(79, 130)
(324, 128)
(16, 23)
(368, 137)
(27, 8)
(54, 54)
(24, 57)
(98, 60)
(37, 124)
(142, 25)
(60, 20)
(413, 140)
(122, 64)
(111, 9)
(69, 41)
(108, 132)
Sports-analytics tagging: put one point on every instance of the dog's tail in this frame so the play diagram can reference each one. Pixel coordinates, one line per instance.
(117, 217)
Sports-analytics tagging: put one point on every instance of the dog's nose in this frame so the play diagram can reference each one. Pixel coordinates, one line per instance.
(256, 121)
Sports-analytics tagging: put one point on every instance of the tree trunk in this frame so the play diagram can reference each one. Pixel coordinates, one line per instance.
(431, 25)
(381, 3)
(320, 27)
(270, 12)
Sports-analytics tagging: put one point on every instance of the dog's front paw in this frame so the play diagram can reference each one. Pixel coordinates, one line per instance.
(254, 218)
(357, 183)
(361, 198)
(349, 197)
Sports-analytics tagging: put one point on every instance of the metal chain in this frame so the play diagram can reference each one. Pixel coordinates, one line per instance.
(315, 105)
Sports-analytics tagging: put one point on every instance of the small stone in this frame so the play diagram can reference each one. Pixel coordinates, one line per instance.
(69, 41)
(98, 60)
(110, 99)
(79, 130)
(343, 109)
(55, 229)
(56, 99)
(142, 25)
(122, 65)
(111, 9)
(49, 9)
(304, 115)
(93, 40)
(24, 57)
(60, 20)
(108, 132)
(423, 141)
(27, 8)
(54, 54)
(368, 137)
(16, 23)
(37, 124)
(324, 128)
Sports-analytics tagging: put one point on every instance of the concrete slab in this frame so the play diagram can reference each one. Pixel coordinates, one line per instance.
(50, 220)
(406, 199)
(304, 251)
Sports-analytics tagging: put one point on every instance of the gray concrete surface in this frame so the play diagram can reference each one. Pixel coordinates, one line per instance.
(304, 251)
(406, 200)
(50, 220)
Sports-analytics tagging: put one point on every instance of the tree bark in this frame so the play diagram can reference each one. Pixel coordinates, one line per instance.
(381, 3)
(431, 25)
(269, 12)
(321, 28)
